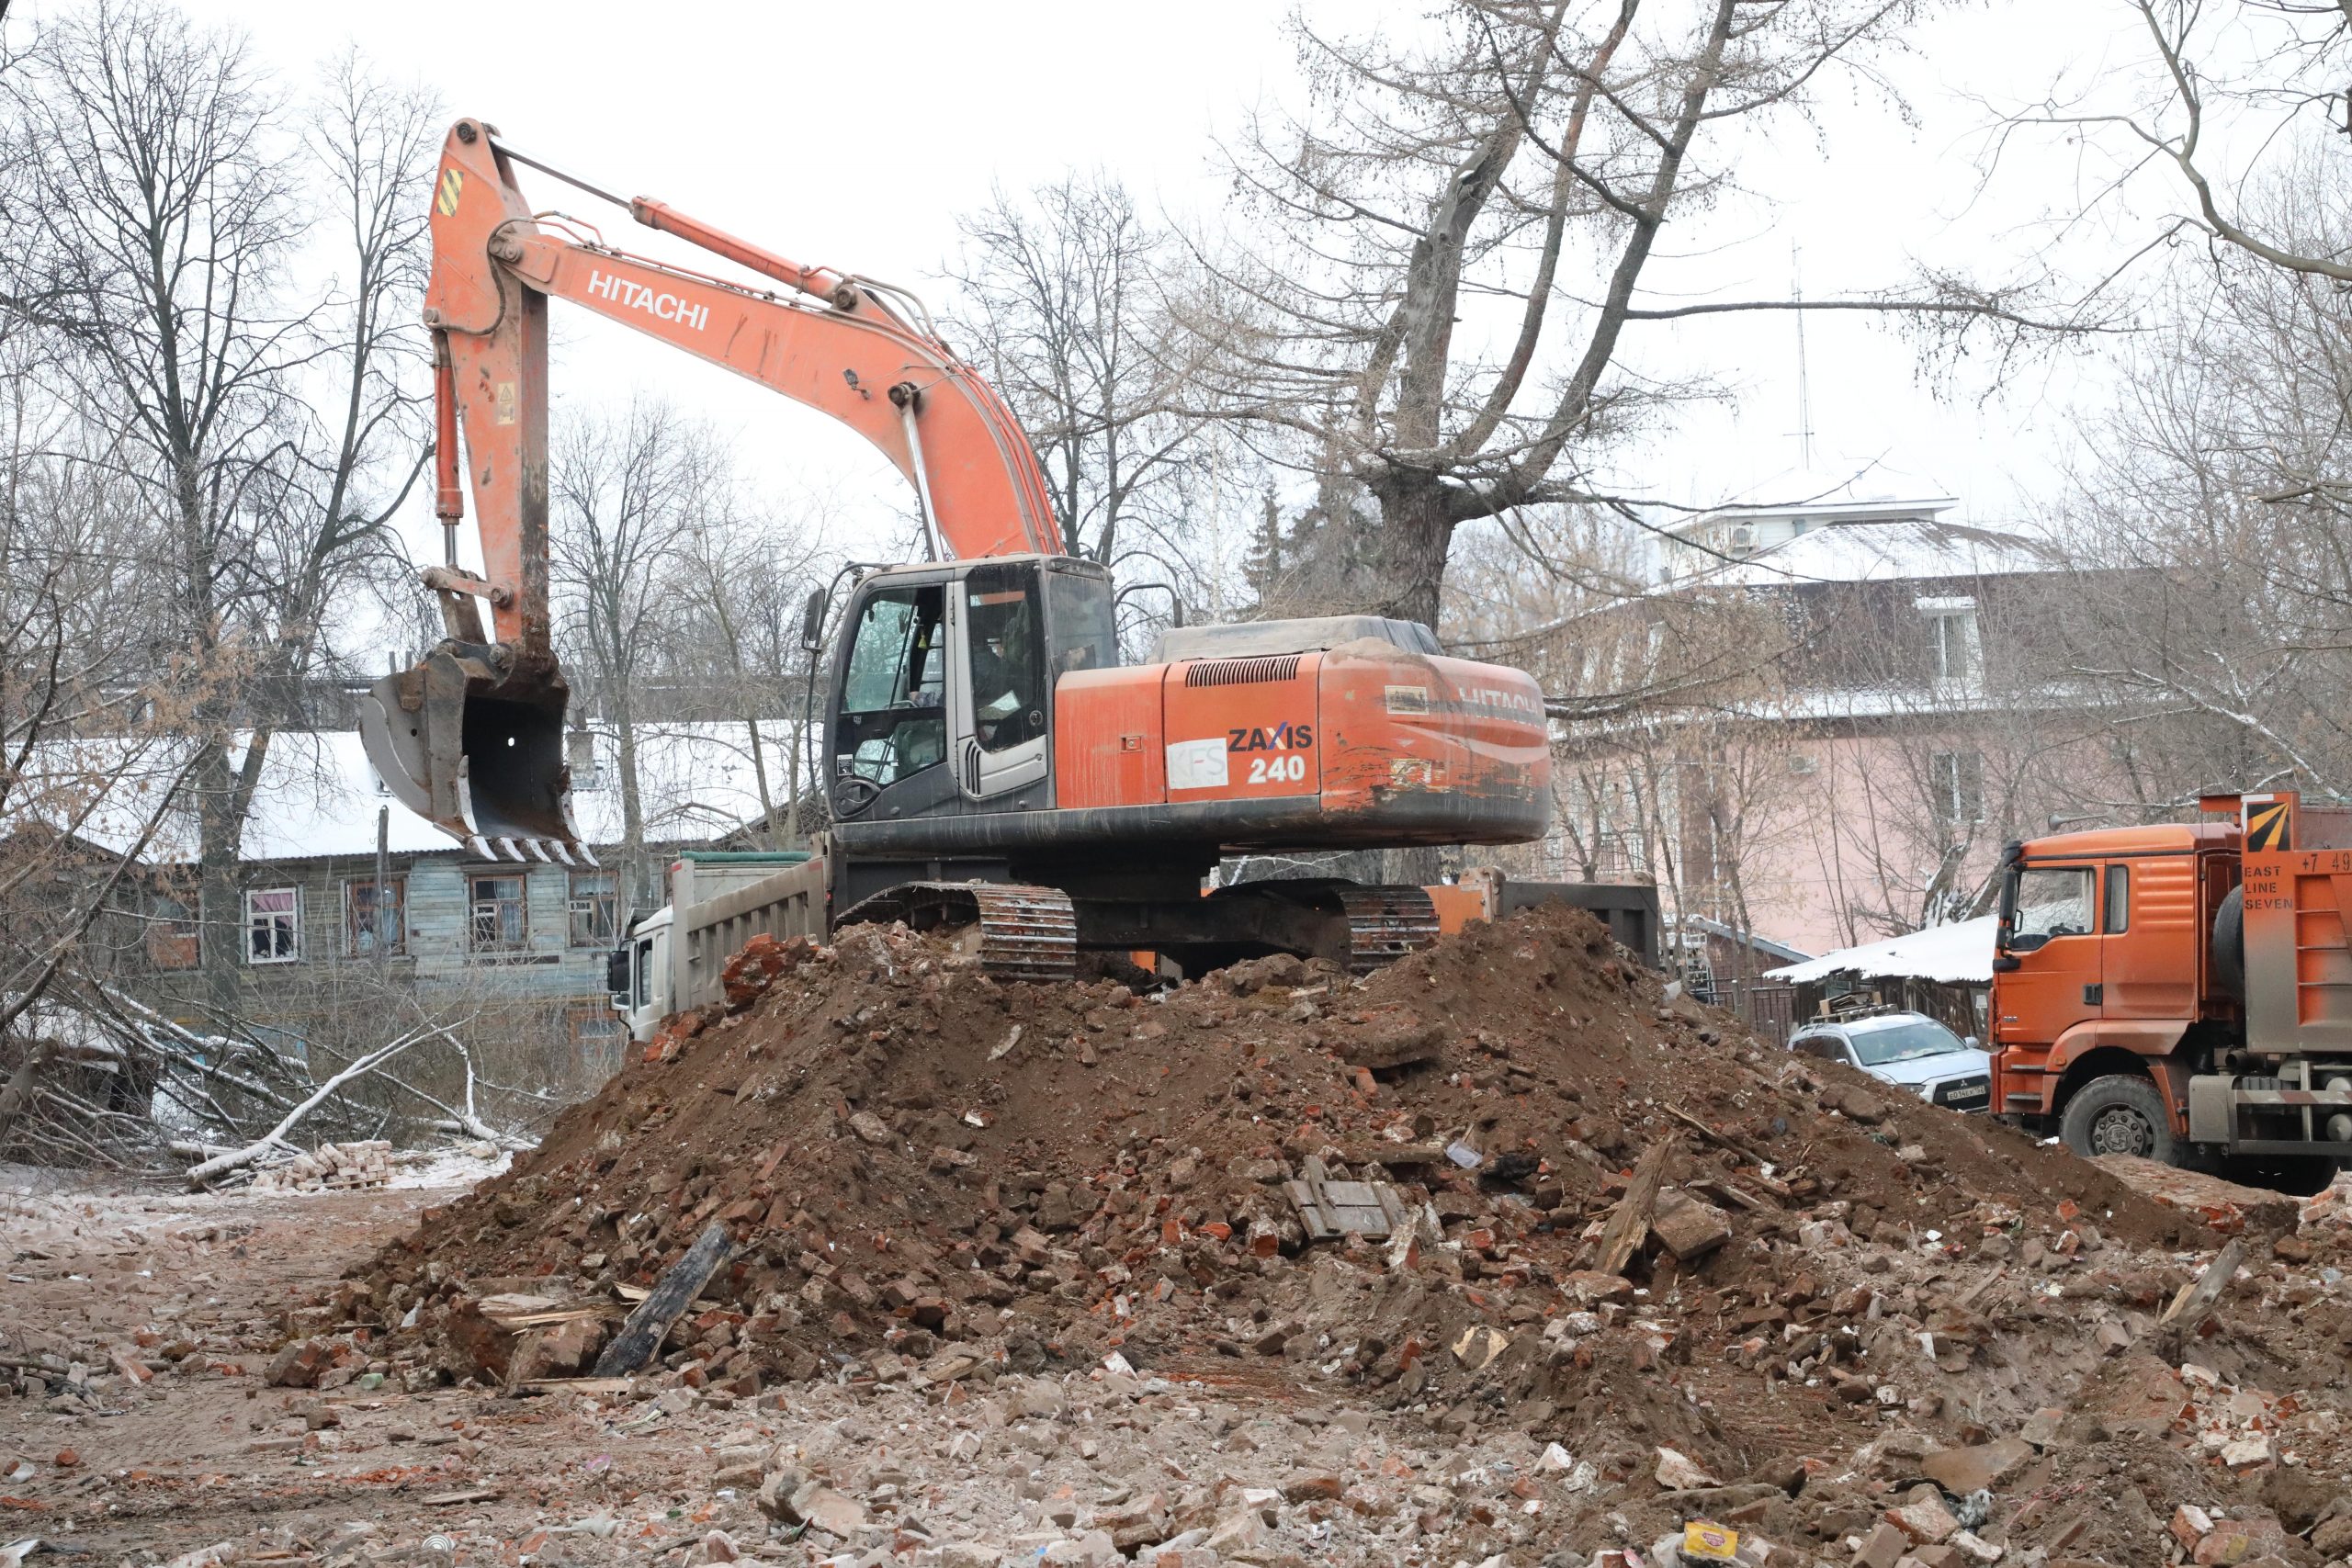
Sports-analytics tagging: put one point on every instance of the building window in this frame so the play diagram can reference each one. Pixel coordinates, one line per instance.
(273, 925)
(375, 916)
(1958, 781)
(599, 1040)
(596, 909)
(1954, 652)
(499, 923)
(171, 934)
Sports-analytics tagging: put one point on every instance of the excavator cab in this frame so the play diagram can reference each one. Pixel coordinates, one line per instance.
(942, 686)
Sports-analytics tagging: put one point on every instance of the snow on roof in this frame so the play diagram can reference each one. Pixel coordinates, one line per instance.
(319, 795)
(1889, 549)
(1954, 953)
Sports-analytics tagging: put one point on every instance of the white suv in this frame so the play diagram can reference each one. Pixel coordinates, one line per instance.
(1909, 1050)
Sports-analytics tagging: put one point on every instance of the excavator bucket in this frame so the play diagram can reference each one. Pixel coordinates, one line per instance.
(477, 752)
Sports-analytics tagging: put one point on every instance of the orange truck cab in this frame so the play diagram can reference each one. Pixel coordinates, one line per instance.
(2159, 990)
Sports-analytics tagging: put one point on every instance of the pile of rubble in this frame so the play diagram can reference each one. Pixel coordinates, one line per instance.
(1508, 1189)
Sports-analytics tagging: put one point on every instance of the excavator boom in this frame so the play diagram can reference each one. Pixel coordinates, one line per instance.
(471, 737)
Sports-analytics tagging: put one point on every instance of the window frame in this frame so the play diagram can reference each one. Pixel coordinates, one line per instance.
(291, 916)
(2039, 939)
(397, 883)
(1953, 627)
(1011, 586)
(611, 898)
(475, 946)
(1955, 802)
(909, 734)
(174, 934)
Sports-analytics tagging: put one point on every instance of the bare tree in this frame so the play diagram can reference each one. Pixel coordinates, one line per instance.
(162, 210)
(745, 566)
(2225, 464)
(1411, 326)
(621, 484)
(1065, 292)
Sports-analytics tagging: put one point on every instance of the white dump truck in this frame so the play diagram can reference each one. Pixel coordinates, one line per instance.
(727, 898)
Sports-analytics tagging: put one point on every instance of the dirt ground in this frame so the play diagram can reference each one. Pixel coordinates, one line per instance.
(1018, 1275)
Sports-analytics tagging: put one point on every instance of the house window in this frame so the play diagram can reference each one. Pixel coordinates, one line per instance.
(599, 1039)
(596, 909)
(1954, 652)
(499, 923)
(273, 925)
(171, 934)
(375, 916)
(1957, 779)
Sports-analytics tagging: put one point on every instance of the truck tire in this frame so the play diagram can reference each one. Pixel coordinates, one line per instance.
(2119, 1114)
(2229, 944)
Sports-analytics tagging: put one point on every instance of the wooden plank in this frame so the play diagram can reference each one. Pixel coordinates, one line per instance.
(641, 1335)
(1630, 1224)
(1723, 1139)
(2196, 1300)
(543, 1319)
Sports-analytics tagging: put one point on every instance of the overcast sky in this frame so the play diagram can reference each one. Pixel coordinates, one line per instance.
(853, 135)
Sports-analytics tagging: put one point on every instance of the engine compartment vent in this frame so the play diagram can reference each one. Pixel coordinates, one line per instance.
(1242, 671)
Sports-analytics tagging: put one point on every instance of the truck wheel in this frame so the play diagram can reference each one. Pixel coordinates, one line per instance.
(2119, 1114)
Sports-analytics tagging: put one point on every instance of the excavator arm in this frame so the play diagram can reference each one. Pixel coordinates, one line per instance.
(471, 737)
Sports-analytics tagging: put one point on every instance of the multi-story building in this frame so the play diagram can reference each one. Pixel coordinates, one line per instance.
(1819, 722)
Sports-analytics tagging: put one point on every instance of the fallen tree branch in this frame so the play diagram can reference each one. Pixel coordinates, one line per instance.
(199, 1174)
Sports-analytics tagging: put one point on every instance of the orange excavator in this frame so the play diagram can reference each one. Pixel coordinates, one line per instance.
(990, 763)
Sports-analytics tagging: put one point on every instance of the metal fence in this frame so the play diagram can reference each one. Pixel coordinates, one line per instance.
(1768, 1007)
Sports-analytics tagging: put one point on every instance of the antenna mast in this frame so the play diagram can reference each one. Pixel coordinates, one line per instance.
(1804, 391)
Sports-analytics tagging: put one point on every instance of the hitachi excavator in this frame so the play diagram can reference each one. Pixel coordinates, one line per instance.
(991, 763)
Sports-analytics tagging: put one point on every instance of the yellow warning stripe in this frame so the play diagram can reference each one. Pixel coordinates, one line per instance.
(453, 186)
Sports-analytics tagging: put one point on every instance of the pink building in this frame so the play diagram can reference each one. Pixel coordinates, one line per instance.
(1818, 728)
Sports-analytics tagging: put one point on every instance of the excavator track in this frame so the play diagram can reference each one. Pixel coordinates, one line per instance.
(1384, 923)
(1017, 932)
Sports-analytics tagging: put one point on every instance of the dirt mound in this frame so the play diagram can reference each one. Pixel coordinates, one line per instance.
(930, 1175)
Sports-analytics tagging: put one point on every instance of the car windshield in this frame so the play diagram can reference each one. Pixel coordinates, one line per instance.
(1903, 1042)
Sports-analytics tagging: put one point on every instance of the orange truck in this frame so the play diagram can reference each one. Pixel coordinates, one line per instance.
(2181, 991)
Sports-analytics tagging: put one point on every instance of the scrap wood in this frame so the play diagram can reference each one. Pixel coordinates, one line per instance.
(641, 1335)
(1727, 1141)
(575, 1385)
(1630, 1224)
(548, 1319)
(2195, 1300)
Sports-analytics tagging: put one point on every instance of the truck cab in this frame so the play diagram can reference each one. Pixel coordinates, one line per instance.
(2103, 969)
(638, 975)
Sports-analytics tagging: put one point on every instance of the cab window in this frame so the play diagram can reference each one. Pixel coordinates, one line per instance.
(1085, 637)
(2052, 901)
(2118, 901)
(1006, 640)
(894, 716)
